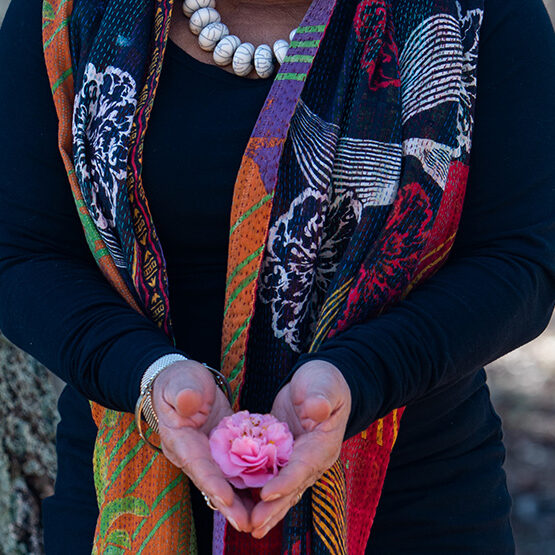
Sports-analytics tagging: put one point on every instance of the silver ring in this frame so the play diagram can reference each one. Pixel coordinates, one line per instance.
(208, 502)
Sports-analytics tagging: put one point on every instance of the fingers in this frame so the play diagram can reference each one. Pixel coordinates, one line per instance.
(221, 495)
(189, 404)
(188, 449)
(307, 464)
(313, 453)
(266, 515)
(316, 406)
(237, 514)
(208, 479)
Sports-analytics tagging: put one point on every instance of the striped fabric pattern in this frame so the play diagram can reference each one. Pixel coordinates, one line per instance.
(435, 158)
(314, 142)
(301, 52)
(431, 65)
(370, 167)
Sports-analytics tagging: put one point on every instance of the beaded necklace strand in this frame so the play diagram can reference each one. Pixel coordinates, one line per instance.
(213, 36)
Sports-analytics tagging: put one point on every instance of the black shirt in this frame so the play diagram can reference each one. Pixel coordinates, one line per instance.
(495, 293)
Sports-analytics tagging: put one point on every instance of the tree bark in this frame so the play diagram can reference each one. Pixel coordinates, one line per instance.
(28, 418)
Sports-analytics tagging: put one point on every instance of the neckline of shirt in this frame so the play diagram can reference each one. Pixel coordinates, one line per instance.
(176, 52)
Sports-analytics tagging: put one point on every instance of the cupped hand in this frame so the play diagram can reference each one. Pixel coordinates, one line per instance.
(316, 406)
(189, 404)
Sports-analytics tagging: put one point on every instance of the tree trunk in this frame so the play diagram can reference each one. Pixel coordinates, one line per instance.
(28, 418)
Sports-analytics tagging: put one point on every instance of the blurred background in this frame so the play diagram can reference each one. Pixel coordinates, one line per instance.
(523, 391)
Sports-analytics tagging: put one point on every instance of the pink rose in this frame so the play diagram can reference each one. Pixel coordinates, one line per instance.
(250, 448)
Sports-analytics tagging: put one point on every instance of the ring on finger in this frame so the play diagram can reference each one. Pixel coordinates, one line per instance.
(299, 497)
(209, 502)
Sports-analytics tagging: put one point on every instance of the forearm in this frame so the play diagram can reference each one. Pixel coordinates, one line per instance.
(54, 301)
(69, 318)
(472, 312)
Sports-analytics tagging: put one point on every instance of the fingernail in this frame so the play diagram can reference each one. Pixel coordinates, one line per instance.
(220, 501)
(234, 524)
(262, 533)
(273, 497)
(263, 525)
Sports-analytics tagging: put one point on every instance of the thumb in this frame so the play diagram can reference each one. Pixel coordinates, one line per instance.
(185, 393)
(315, 410)
(315, 393)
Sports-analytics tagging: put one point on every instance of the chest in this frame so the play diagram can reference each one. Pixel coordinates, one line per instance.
(200, 125)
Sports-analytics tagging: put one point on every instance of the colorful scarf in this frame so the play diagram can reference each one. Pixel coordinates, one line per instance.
(348, 196)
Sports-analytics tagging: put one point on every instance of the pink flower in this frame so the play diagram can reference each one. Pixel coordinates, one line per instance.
(250, 448)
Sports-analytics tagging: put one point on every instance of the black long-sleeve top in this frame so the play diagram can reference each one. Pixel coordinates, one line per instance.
(495, 293)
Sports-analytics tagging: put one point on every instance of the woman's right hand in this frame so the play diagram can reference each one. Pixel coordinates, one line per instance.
(189, 404)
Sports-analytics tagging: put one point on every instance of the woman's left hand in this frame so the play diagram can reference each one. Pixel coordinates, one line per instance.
(315, 404)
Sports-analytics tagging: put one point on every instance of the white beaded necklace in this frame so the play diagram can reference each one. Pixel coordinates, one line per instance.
(213, 35)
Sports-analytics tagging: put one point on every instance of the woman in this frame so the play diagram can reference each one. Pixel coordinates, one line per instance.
(369, 183)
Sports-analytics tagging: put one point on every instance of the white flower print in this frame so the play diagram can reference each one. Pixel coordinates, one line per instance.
(470, 29)
(102, 119)
(300, 263)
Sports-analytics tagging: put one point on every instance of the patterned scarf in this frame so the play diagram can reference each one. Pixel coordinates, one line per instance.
(349, 195)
